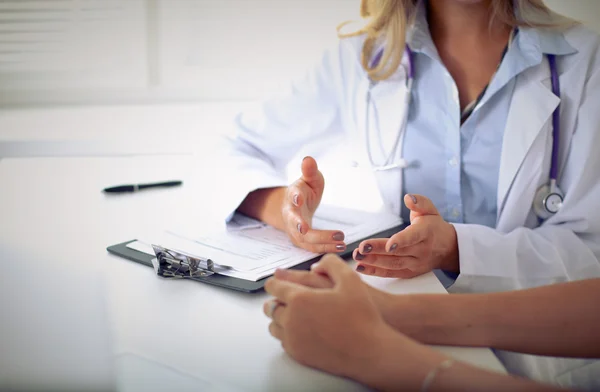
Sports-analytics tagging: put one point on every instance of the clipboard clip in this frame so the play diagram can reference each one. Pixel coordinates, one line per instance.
(178, 265)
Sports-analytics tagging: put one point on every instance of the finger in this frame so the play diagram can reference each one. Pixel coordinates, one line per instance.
(388, 261)
(296, 225)
(334, 237)
(316, 241)
(321, 248)
(273, 309)
(333, 267)
(305, 278)
(276, 331)
(373, 245)
(297, 193)
(378, 246)
(419, 206)
(311, 174)
(296, 197)
(330, 241)
(386, 273)
(411, 236)
(283, 290)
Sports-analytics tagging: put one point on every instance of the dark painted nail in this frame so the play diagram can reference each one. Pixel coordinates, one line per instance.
(360, 268)
(300, 228)
(393, 247)
(367, 248)
(413, 198)
(296, 199)
(340, 247)
(359, 256)
(338, 236)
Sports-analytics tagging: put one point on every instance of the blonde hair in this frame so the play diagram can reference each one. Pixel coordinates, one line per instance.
(392, 18)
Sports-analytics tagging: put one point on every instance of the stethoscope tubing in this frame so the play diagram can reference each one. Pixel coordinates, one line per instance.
(401, 163)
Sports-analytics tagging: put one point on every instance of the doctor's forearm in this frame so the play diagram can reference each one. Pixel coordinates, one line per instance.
(558, 320)
(265, 205)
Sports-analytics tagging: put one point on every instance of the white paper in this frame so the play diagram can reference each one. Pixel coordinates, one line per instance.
(253, 251)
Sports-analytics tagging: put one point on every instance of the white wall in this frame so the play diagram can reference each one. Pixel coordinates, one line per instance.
(161, 50)
(189, 49)
(586, 11)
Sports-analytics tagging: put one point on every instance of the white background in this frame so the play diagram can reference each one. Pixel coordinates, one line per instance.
(129, 77)
(123, 51)
(138, 50)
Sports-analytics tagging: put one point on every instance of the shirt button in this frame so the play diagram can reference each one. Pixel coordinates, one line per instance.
(453, 162)
(455, 213)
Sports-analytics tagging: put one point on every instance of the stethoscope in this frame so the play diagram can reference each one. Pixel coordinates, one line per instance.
(548, 198)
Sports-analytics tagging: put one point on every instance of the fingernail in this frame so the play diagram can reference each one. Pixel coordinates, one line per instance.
(340, 247)
(360, 268)
(359, 256)
(303, 159)
(413, 198)
(296, 200)
(313, 266)
(393, 247)
(367, 248)
(338, 236)
(300, 228)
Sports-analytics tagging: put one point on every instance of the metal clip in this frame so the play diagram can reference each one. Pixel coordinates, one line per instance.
(172, 264)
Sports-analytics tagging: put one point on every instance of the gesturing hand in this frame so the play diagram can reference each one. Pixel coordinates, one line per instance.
(428, 243)
(298, 208)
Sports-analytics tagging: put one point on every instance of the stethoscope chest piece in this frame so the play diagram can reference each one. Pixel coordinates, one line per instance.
(547, 201)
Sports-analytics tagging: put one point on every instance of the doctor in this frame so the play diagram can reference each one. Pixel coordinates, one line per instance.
(482, 117)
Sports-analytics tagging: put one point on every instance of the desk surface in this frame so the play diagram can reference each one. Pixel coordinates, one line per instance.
(217, 339)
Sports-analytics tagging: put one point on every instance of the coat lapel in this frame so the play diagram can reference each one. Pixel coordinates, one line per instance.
(530, 113)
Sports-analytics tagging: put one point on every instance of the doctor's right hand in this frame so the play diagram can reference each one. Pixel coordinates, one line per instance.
(298, 208)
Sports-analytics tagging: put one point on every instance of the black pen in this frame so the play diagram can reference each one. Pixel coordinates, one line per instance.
(139, 187)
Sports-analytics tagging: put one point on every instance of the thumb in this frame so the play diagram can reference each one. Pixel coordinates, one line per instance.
(311, 174)
(333, 267)
(419, 206)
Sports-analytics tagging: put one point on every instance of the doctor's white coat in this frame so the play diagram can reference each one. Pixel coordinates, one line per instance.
(518, 253)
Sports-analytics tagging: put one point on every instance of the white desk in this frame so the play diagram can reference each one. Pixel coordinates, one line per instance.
(218, 339)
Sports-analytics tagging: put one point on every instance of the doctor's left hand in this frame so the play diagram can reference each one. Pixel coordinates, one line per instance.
(428, 243)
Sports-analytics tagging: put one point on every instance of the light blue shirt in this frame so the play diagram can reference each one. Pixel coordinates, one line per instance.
(457, 166)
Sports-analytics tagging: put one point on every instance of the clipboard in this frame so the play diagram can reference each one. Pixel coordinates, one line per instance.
(237, 284)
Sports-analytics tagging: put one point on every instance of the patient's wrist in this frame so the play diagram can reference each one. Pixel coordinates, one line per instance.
(400, 363)
(427, 318)
(408, 314)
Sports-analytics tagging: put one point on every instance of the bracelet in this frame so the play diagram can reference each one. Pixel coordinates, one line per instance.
(433, 372)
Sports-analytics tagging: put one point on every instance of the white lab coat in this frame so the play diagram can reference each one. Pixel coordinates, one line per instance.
(517, 253)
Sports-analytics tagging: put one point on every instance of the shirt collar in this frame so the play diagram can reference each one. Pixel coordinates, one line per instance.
(418, 37)
(538, 42)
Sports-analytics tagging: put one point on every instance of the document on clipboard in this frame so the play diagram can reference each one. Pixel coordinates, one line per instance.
(251, 250)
